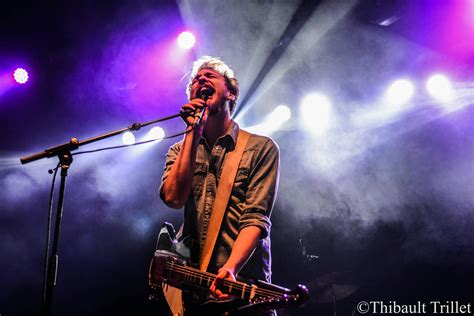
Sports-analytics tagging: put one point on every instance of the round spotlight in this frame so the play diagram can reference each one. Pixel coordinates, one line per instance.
(280, 115)
(186, 40)
(20, 75)
(400, 92)
(128, 138)
(156, 133)
(316, 113)
(440, 87)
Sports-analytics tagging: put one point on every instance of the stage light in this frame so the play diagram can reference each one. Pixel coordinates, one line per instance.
(20, 75)
(280, 115)
(273, 122)
(128, 138)
(316, 113)
(440, 87)
(400, 92)
(156, 133)
(186, 40)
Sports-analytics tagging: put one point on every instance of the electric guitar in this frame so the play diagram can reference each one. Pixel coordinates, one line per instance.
(170, 272)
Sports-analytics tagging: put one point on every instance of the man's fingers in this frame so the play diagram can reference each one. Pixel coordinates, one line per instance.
(216, 292)
(191, 107)
(197, 103)
(189, 110)
(221, 295)
(213, 289)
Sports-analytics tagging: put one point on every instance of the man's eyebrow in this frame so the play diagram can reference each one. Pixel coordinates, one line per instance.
(205, 73)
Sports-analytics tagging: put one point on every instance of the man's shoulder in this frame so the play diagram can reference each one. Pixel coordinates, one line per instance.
(176, 146)
(262, 142)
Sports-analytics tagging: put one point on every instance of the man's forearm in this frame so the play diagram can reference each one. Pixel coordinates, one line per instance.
(178, 184)
(243, 247)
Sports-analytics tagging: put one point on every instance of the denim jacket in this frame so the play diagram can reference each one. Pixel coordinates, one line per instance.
(250, 204)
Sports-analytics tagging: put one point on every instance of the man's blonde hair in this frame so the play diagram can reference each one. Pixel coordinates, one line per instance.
(218, 65)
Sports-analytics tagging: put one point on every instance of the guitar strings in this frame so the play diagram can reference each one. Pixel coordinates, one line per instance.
(235, 284)
(188, 271)
(192, 272)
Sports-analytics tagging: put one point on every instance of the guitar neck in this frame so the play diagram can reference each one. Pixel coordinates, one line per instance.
(182, 274)
(169, 267)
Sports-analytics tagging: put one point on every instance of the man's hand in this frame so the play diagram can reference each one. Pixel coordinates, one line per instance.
(191, 108)
(224, 273)
(243, 248)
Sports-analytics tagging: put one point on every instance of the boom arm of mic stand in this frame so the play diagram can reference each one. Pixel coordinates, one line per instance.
(63, 152)
(74, 143)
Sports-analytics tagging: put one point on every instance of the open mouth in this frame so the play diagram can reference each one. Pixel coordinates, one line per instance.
(206, 91)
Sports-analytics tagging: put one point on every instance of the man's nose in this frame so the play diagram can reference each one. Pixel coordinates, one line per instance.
(202, 80)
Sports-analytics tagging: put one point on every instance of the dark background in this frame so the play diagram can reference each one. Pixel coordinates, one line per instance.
(385, 201)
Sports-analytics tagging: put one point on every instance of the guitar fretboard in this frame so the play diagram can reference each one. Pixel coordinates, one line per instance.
(189, 275)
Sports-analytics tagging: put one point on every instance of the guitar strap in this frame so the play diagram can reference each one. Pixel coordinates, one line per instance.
(224, 188)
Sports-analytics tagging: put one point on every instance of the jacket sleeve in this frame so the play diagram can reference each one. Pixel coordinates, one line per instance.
(262, 189)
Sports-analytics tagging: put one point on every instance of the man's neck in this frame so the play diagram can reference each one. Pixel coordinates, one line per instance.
(216, 127)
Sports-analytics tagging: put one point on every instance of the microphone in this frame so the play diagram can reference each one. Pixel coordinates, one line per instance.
(205, 94)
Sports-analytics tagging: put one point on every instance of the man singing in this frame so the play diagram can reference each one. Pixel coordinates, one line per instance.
(191, 177)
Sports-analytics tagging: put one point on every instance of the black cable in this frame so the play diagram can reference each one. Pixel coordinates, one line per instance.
(135, 126)
(136, 144)
(48, 231)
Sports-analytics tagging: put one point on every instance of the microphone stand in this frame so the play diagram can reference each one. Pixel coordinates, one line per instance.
(63, 152)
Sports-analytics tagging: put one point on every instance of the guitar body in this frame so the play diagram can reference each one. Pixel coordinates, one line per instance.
(174, 298)
(171, 271)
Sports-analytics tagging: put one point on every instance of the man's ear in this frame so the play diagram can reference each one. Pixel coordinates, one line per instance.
(230, 96)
